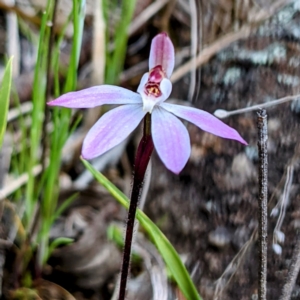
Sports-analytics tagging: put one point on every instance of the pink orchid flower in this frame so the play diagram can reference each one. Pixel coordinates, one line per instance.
(170, 137)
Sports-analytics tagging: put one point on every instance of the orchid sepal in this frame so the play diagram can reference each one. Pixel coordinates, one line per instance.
(96, 96)
(162, 53)
(204, 121)
(107, 133)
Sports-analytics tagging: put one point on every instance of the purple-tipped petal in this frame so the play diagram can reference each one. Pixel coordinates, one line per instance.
(171, 140)
(162, 53)
(96, 96)
(204, 120)
(144, 80)
(111, 129)
(166, 88)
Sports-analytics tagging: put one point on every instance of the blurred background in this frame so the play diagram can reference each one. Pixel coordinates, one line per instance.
(230, 54)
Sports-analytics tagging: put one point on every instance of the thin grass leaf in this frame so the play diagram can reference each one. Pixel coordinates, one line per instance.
(165, 248)
(116, 59)
(78, 22)
(38, 99)
(4, 98)
(61, 241)
(19, 161)
(56, 56)
(115, 234)
(61, 123)
(64, 206)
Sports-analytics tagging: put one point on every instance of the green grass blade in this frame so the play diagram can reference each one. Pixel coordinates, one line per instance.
(115, 234)
(117, 58)
(165, 248)
(38, 100)
(4, 98)
(61, 241)
(63, 207)
(78, 22)
(61, 123)
(19, 162)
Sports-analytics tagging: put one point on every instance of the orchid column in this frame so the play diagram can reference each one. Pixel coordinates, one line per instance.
(162, 129)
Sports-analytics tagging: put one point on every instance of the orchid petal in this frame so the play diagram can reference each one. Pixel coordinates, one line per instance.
(111, 129)
(171, 140)
(96, 96)
(149, 101)
(204, 120)
(142, 84)
(166, 89)
(162, 53)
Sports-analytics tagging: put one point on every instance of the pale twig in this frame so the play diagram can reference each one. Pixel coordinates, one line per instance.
(245, 31)
(155, 266)
(145, 15)
(13, 41)
(221, 113)
(233, 266)
(15, 113)
(17, 183)
(4, 244)
(280, 208)
(293, 272)
(166, 15)
(208, 52)
(33, 19)
(98, 45)
(98, 60)
(278, 235)
(194, 44)
(200, 46)
(260, 14)
(20, 13)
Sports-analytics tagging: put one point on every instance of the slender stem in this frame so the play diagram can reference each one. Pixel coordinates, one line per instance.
(141, 162)
(293, 272)
(262, 202)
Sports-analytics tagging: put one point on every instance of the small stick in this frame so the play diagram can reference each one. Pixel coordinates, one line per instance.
(293, 272)
(262, 202)
(18, 182)
(208, 52)
(145, 15)
(222, 113)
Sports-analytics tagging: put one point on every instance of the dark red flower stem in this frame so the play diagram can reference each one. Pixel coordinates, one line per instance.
(141, 162)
